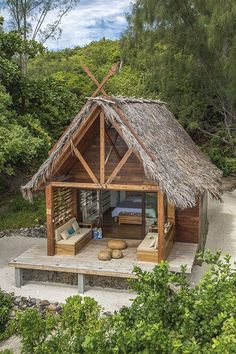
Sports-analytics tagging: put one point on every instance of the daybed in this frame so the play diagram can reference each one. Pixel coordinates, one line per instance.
(75, 242)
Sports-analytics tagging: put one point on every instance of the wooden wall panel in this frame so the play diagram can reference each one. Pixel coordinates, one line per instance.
(131, 173)
(203, 223)
(187, 224)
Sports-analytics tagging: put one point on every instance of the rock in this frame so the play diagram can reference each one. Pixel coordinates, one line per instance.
(13, 313)
(45, 303)
(117, 244)
(116, 254)
(59, 308)
(52, 308)
(17, 300)
(104, 255)
(33, 301)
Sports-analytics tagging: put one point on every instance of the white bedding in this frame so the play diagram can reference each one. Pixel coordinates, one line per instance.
(150, 213)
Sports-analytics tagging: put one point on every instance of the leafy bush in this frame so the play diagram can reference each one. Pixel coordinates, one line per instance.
(64, 334)
(167, 316)
(16, 212)
(6, 301)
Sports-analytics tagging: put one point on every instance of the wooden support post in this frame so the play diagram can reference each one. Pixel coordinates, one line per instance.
(18, 277)
(171, 213)
(50, 225)
(143, 215)
(102, 148)
(74, 203)
(161, 233)
(81, 283)
(100, 209)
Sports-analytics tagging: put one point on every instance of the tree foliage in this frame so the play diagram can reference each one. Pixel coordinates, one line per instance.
(187, 54)
(33, 112)
(160, 320)
(31, 18)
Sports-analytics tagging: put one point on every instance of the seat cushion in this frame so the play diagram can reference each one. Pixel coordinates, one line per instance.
(75, 238)
(147, 242)
(65, 226)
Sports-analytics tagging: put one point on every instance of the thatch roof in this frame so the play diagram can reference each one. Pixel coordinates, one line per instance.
(170, 157)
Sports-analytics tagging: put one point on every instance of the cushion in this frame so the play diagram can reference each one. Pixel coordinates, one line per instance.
(72, 240)
(71, 231)
(116, 254)
(117, 244)
(63, 227)
(65, 235)
(146, 245)
(104, 255)
(75, 226)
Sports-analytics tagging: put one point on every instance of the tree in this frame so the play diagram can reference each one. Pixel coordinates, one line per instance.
(33, 113)
(30, 18)
(186, 51)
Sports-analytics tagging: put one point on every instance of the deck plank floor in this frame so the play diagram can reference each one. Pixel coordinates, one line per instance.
(86, 262)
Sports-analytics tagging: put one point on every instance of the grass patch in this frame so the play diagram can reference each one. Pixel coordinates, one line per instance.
(16, 212)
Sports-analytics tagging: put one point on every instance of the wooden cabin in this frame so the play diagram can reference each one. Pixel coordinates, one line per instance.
(126, 166)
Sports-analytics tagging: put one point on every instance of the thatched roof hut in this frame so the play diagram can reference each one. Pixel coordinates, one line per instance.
(169, 156)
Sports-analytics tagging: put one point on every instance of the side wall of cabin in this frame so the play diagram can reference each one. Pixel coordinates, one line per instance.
(192, 223)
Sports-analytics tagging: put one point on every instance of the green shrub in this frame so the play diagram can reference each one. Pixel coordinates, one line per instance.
(167, 316)
(6, 301)
(17, 212)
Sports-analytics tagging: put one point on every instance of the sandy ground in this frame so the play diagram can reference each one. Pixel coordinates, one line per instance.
(222, 231)
(221, 236)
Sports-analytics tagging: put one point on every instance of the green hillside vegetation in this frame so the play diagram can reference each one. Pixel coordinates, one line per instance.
(189, 63)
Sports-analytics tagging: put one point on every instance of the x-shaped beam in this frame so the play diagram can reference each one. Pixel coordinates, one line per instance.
(113, 70)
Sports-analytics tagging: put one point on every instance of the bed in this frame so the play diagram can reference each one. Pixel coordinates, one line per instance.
(133, 205)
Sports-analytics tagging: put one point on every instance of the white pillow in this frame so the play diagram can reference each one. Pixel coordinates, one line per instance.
(65, 235)
(75, 226)
(152, 244)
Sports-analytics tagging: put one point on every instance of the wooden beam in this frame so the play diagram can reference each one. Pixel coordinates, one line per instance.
(50, 225)
(112, 145)
(113, 70)
(102, 148)
(77, 136)
(120, 165)
(161, 231)
(77, 185)
(117, 128)
(171, 213)
(85, 165)
(131, 187)
(143, 215)
(74, 209)
(115, 187)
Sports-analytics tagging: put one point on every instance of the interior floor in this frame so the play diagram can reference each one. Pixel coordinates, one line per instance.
(112, 229)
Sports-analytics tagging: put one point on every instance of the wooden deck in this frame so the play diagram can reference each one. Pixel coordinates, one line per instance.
(86, 262)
